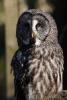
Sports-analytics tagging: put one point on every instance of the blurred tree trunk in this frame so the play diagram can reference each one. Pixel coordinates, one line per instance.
(10, 21)
(12, 11)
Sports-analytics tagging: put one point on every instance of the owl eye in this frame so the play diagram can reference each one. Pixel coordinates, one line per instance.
(39, 26)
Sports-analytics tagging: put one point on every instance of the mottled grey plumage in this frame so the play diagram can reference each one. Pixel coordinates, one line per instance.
(38, 63)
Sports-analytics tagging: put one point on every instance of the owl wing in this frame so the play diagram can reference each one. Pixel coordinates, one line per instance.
(20, 74)
(56, 63)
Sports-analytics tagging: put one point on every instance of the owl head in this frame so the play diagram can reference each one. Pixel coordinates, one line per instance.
(36, 27)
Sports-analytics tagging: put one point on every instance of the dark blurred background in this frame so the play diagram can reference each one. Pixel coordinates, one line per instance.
(9, 13)
(2, 53)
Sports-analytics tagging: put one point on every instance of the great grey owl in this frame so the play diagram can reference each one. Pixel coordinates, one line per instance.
(38, 63)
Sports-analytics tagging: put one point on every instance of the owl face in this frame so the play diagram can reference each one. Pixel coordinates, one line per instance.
(33, 28)
(40, 28)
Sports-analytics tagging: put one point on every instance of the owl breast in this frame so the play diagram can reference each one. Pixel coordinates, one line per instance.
(45, 73)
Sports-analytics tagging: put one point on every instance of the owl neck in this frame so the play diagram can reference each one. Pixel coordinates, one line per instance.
(26, 48)
(52, 39)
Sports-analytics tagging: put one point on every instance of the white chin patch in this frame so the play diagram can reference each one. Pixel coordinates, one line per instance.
(38, 42)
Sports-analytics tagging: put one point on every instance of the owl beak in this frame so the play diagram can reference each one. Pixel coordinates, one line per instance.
(33, 34)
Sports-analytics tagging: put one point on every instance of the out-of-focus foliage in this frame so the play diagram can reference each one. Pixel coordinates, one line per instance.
(53, 1)
(1, 5)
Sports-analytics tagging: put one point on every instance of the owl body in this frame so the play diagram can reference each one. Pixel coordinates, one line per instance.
(46, 76)
(38, 67)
